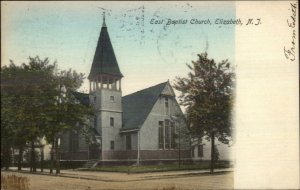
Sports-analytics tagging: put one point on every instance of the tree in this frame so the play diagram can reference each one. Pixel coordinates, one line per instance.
(65, 113)
(37, 102)
(11, 134)
(38, 95)
(207, 94)
(25, 91)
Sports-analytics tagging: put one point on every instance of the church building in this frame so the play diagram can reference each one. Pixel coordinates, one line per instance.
(143, 126)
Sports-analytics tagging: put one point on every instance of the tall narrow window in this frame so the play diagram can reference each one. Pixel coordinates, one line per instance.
(200, 150)
(95, 121)
(161, 135)
(112, 122)
(172, 135)
(167, 134)
(128, 142)
(166, 105)
(193, 151)
(74, 141)
(112, 145)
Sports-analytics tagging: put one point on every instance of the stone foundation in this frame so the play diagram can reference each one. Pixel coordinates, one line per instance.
(145, 154)
(83, 155)
(130, 155)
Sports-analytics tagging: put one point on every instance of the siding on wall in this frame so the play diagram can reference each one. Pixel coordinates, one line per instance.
(134, 140)
(83, 146)
(65, 142)
(110, 133)
(149, 130)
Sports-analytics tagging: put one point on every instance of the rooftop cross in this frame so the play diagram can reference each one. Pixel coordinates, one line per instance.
(103, 24)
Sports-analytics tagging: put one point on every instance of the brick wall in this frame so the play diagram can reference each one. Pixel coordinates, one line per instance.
(130, 155)
(83, 155)
(163, 154)
(119, 155)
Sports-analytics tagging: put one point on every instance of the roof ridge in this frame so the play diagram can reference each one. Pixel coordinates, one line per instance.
(80, 93)
(146, 88)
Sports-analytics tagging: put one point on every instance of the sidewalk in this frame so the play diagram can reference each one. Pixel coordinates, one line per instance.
(122, 177)
(86, 180)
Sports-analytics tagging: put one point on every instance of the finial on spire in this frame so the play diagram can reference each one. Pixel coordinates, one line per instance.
(103, 24)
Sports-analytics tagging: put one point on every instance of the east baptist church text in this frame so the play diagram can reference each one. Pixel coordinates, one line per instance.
(195, 21)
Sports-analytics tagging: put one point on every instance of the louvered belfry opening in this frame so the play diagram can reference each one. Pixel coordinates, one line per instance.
(105, 81)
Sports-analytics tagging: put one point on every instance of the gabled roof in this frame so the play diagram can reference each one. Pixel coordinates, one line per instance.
(82, 98)
(137, 106)
(104, 61)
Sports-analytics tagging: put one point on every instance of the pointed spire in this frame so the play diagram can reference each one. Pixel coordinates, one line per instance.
(104, 61)
(103, 23)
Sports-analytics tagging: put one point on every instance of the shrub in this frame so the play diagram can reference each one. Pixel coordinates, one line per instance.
(13, 182)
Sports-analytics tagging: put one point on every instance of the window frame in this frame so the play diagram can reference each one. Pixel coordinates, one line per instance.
(128, 142)
(111, 122)
(112, 145)
(193, 152)
(74, 141)
(95, 121)
(172, 135)
(166, 105)
(112, 98)
(200, 147)
(167, 134)
(161, 138)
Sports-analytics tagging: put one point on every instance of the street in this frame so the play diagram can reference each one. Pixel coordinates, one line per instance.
(85, 180)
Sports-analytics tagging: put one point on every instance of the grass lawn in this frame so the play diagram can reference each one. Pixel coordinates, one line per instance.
(159, 168)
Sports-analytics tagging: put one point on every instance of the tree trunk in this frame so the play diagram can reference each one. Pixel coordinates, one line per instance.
(20, 159)
(57, 157)
(42, 159)
(33, 163)
(52, 157)
(6, 157)
(212, 160)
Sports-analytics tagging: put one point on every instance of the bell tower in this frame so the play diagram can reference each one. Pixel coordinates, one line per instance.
(106, 95)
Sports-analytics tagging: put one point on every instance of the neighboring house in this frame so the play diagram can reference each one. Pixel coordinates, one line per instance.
(41, 147)
(140, 126)
(201, 150)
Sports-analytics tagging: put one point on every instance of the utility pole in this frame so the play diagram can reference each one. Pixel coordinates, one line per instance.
(176, 121)
(138, 152)
(179, 155)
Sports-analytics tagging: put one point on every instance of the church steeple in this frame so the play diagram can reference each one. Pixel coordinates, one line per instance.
(105, 69)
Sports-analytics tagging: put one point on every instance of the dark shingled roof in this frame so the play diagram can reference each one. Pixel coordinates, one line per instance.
(137, 106)
(82, 98)
(105, 61)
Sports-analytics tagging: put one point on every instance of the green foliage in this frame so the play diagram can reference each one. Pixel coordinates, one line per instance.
(37, 101)
(27, 156)
(64, 112)
(207, 93)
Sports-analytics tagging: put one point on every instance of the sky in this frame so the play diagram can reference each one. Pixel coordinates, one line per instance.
(147, 54)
